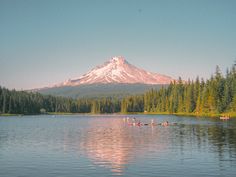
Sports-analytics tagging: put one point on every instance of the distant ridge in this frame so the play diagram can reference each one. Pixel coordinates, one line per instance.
(99, 90)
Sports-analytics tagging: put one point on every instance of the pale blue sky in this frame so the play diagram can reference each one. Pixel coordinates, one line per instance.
(48, 41)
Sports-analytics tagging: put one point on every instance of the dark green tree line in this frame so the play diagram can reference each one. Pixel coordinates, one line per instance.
(215, 95)
(21, 102)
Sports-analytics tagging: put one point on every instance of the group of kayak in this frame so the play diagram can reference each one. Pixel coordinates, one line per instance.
(134, 122)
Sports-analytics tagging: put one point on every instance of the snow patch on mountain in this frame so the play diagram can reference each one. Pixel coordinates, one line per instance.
(118, 70)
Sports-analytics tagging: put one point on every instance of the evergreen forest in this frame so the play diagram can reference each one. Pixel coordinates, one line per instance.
(216, 95)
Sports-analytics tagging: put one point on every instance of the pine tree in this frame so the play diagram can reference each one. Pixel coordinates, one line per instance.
(4, 101)
(123, 106)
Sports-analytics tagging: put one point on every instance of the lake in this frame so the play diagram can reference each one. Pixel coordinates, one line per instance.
(106, 145)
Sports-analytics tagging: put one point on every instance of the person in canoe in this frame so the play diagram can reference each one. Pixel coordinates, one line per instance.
(139, 123)
(153, 123)
(166, 123)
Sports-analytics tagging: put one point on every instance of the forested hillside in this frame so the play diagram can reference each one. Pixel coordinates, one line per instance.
(213, 96)
(21, 102)
(97, 91)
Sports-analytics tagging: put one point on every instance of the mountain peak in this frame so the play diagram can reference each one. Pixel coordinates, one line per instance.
(118, 60)
(118, 70)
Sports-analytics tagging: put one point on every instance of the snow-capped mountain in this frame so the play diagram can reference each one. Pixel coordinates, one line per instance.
(118, 70)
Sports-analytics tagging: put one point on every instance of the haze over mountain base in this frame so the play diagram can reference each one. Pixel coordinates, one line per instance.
(99, 90)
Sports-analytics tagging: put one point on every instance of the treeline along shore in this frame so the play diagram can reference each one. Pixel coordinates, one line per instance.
(215, 96)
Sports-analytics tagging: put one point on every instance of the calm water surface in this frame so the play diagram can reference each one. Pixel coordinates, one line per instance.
(72, 146)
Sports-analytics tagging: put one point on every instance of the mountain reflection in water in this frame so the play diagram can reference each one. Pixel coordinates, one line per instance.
(116, 144)
(105, 145)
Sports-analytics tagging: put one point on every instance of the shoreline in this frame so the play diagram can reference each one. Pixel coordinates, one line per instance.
(202, 115)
